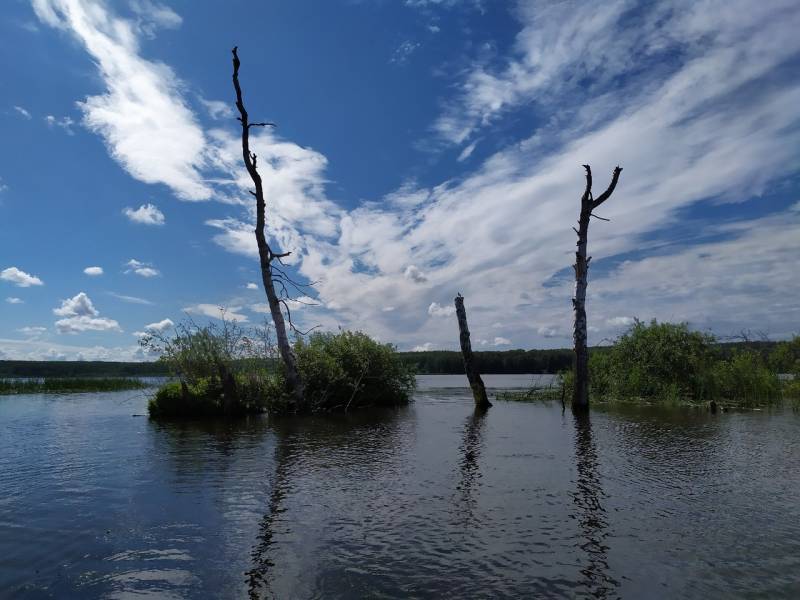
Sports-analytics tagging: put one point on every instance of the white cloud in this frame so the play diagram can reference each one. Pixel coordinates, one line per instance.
(154, 15)
(437, 310)
(80, 315)
(413, 273)
(32, 331)
(15, 300)
(32, 348)
(467, 151)
(426, 347)
(93, 271)
(131, 299)
(404, 51)
(231, 313)
(146, 214)
(218, 109)
(548, 331)
(19, 278)
(145, 122)
(141, 268)
(79, 305)
(64, 123)
(160, 326)
(251, 286)
(22, 111)
(620, 321)
(501, 341)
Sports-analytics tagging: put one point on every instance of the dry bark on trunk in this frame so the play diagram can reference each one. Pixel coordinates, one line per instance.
(580, 393)
(475, 381)
(265, 253)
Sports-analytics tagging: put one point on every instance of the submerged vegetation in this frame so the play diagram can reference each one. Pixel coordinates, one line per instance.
(669, 363)
(68, 385)
(225, 370)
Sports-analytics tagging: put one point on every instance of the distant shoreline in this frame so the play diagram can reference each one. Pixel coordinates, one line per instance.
(433, 362)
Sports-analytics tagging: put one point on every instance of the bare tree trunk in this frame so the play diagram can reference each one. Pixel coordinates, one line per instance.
(580, 392)
(475, 381)
(265, 253)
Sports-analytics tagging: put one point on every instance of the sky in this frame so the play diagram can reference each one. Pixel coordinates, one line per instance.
(423, 148)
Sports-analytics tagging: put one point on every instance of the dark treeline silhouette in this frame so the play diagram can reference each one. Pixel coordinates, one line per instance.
(434, 362)
(96, 368)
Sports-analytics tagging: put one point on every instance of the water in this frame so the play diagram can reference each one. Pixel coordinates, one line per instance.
(429, 501)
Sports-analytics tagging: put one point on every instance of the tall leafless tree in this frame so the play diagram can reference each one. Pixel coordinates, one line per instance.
(474, 377)
(266, 255)
(580, 393)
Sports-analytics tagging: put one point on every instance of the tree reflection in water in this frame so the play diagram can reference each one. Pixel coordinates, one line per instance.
(590, 512)
(258, 577)
(469, 467)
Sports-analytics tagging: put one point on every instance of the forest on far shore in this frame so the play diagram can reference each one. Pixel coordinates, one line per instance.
(434, 362)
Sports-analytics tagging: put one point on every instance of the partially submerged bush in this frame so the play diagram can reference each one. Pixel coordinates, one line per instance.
(660, 361)
(347, 370)
(226, 371)
(665, 362)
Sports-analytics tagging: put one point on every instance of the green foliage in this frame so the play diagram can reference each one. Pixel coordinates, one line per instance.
(349, 369)
(68, 385)
(658, 361)
(745, 379)
(208, 397)
(225, 371)
(79, 368)
(785, 357)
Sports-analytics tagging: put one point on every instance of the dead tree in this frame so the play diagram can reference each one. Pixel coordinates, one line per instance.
(266, 255)
(580, 393)
(475, 381)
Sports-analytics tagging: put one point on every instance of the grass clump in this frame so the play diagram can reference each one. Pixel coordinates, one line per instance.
(67, 385)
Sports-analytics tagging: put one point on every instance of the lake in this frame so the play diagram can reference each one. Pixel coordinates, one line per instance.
(428, 501)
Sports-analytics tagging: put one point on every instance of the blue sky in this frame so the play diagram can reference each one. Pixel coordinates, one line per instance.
(423, 148)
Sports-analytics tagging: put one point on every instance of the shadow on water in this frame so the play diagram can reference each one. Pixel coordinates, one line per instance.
(591, 515)
(469, 466)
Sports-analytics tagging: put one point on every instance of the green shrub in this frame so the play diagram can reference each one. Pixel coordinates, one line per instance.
(785, 357)
(657, 361)
(349, 369)
(745, 379)
(207, 397)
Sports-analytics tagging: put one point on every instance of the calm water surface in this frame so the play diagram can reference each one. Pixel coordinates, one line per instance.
(430, 501)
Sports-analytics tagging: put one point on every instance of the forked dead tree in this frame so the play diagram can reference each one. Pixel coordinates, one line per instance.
(267, 256)
(580, 393)
(475, 381)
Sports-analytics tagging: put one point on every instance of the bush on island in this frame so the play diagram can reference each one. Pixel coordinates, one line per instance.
(223, 370)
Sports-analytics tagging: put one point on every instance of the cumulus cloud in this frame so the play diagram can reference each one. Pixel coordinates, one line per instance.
(160, 326)
(413, 273)
(15, 300)
(19, 278)
(141, 269)
(501, 341)
(93, 271)
(146, 214)
(437, 310)
(426, 347)
(251, 286)
(80, 315)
